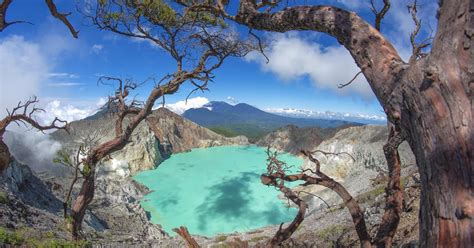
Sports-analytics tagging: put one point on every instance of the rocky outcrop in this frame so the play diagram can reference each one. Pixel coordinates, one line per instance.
(360, 161)
(4, 155)
(176, 134)
(293, 139)
(30, 201)
(162, 134)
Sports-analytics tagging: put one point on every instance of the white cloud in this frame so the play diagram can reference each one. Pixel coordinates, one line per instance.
(62, 75)
(65, 84)
(291, 56)
(33, 148)
(181, 106)
(97, 48)
(67, 112)
(232, 100)
(22, 68)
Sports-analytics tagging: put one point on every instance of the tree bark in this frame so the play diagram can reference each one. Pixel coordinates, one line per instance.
(431, 100)
(80, 204)
(394, 191)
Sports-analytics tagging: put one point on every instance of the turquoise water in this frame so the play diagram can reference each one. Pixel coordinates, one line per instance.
(214, 190)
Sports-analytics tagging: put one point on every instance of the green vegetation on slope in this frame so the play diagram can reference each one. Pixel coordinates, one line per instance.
(252, 132)
(224, 131)
(28, 237)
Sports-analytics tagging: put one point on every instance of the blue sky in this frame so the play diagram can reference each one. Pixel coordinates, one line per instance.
(305, 67)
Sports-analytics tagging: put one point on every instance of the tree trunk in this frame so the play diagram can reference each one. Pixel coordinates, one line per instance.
(438, 120)
(80, 204)
(431, 100)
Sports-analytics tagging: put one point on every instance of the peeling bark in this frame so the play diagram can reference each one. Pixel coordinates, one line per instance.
(430, 99)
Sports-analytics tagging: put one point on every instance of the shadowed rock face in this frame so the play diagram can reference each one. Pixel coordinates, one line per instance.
(4, 156)
(176, 134)
(293, 139)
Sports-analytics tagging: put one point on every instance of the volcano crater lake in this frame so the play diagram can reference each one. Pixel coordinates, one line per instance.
(215, 190)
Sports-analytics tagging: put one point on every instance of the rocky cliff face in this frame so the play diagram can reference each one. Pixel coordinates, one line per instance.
(360, 162)
(176, 134)
(293, 139)
(160, 135)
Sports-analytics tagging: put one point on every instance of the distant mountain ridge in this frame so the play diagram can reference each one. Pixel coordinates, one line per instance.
(244, 119)
(330, 115)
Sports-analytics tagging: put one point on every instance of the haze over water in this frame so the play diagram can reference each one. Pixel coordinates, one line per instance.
(215, 190)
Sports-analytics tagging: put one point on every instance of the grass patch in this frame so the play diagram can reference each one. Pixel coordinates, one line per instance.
(221, 238)
(371, 195)
(222, 245)
(24, 237)
(11, 238)
(258, 238)
(224, 131)
(333, 233)
(3, 198)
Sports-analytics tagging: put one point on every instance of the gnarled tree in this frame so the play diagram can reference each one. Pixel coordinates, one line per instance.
(429, 98)
(24, 113)
(195, 41)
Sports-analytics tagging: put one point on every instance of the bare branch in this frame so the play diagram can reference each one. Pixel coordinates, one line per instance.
(340, 86)
(62, 17)
(28, 109)
(379, 15)
(276, 176)
(260, 46)
(417, 48)
(3, 13)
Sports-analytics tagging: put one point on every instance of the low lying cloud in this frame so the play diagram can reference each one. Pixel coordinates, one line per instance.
(33, 148)
(292, 56)
(181, 106)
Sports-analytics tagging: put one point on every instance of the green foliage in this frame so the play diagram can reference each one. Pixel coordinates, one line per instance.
(221, 238)
(251, 131)
(3, 198)
(86, 170)
(156, 11)
(224, 131)
(62, 157)
(332, 233)
(258, 238)
(10, 238)
(28, 237)
(371, 195)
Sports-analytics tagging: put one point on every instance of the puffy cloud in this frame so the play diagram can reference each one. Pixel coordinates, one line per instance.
(22, 68)
(292, 56)
(181, 106)
(68, 112)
